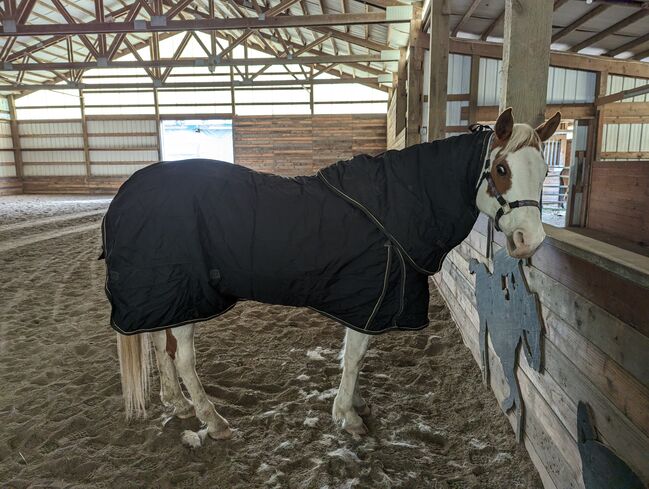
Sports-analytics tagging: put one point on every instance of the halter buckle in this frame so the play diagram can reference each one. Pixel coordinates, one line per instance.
(506, 208)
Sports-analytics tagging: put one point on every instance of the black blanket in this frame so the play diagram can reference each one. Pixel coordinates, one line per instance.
(185, 240)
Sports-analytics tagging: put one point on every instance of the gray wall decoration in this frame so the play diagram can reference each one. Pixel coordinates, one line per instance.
(601, 468)
(511, 314)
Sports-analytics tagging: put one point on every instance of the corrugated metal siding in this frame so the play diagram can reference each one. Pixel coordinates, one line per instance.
(489, 81)
(120, 147)
(570, 86)
(564, 85)
(7, 171)
(459, 73)
(618, 83)
(626, 138)
(115, 170)
(53, 170)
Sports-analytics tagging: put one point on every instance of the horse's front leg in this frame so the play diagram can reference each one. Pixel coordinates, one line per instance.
(185, 361)
(348, 401)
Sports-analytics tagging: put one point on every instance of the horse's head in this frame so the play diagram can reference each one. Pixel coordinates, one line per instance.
(510, 188)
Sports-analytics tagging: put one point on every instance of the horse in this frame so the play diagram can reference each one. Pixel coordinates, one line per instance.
(183, 242)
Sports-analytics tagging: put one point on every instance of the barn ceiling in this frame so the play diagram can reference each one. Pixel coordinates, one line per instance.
(56, 41)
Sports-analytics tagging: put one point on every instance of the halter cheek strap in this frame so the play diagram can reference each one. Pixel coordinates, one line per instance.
(505, 206)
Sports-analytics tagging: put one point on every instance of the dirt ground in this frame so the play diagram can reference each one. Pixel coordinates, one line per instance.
(271, 371)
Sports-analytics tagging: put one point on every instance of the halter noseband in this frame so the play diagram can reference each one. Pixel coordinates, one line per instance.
(505, 206)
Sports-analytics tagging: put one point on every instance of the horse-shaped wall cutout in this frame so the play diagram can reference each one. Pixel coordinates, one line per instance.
(511, 314)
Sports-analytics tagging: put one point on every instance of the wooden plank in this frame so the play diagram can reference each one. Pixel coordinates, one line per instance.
(438, 68)
(415, 81)
(489, 113)
(577, 382)
(554, 465)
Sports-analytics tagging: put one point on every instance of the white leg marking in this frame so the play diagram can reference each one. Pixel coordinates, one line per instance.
(217, 426)
(171, 394)
(347, 398)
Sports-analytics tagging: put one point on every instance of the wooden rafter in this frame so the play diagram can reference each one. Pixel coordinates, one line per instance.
(628, 46)
(594, 12)
(640, 14)
(467, 15)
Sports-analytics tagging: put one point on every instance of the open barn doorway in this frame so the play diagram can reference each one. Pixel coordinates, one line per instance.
(197, 138)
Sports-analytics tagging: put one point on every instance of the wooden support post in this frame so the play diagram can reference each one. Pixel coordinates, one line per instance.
(401, 93)
(84, 129)
(473, 88)
(526, 57)
(438, 69)
(158, 129)
(415, 79)
(15, 137)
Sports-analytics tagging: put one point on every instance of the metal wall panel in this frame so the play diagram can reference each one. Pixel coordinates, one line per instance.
(459, 73)
(564, 85)
(41, 128)
(7, 157)
(122, 142)
(7, 171)
(134, 155)
(53, 170)
(52, 156)
(621, 138)
(618, 83)
(52, 142)
(114, 170)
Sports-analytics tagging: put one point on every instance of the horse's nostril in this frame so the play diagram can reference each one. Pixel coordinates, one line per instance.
(519, 238)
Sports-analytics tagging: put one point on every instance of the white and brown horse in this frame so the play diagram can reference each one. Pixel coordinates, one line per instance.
(507, 191)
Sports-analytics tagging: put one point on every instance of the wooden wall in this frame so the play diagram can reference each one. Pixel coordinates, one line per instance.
(596, 315)
(61, 158)
(619, 200)
(300, 145)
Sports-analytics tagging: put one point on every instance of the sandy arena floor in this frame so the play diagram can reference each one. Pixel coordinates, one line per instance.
(271, 371)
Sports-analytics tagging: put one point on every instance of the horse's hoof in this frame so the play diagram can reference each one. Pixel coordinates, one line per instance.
(221, 434)
(356, 430)
(363, 411)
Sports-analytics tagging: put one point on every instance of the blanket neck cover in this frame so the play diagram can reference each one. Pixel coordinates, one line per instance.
(184, 241)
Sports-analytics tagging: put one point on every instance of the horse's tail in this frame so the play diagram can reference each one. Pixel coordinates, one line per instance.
(134, 354)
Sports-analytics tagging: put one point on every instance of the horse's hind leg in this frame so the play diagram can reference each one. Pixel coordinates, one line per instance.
(171, 394)
(348, 398)
(185, 361)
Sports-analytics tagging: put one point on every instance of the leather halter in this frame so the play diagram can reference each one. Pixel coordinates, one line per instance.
(505, 206)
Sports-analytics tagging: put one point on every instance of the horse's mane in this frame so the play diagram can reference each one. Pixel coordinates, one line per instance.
(522, 135)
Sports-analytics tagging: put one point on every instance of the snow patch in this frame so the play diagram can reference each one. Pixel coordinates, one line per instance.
(303, 377)
(345, 454)
(477, 444)
(311, 422)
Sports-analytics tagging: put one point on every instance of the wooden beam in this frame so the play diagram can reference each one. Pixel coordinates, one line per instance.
(594, 12)
(84, 130)
(204, 24)
(525, 64)
(196, 85)
(467, 15)
(192, 62)
(15, 137)
(472, 115)
(489, 113)
(640, 14)
(415, 81)
(628, 46)
(492, 26)
(559, 59)
(438, 68)
(624, 94)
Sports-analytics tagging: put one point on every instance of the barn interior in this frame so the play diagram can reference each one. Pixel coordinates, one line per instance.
(92, 91)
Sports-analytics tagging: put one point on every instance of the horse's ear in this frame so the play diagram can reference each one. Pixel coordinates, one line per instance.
(505, 125)
(546, 130)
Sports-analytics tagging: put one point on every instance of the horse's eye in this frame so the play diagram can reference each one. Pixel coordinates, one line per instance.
(501, 170)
